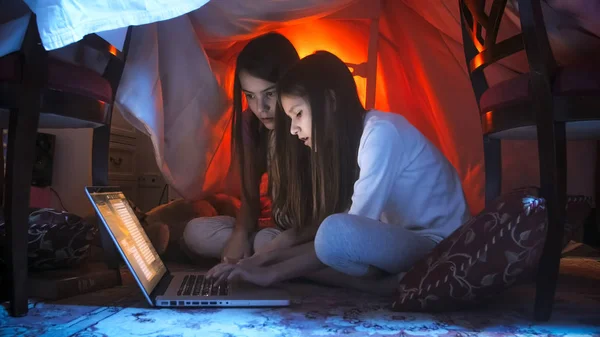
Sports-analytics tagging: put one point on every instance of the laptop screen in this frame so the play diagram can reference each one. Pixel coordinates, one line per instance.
(131, 237)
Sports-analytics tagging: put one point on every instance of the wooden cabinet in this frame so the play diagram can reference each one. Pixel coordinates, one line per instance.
(121, 161)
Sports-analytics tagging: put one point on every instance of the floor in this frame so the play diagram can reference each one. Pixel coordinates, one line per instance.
(318, 311)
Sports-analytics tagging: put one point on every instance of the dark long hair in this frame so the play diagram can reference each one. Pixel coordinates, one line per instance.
(337, 123)
(266, 57)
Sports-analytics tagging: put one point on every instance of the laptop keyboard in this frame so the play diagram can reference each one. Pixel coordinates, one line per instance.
(197, 285)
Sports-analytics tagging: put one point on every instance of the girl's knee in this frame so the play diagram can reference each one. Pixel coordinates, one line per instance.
(327, 237)
(264, 236)
(332, 226)
(203, 235)
(206, 226)
(333, 222)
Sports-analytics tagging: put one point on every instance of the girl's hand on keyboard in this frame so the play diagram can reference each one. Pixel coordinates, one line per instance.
(255, 261)
(260, 276)
(219, 269)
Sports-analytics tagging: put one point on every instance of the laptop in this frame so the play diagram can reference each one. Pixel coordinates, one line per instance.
(160, 287)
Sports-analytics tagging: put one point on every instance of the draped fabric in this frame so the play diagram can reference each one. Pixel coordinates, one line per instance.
(177, 82)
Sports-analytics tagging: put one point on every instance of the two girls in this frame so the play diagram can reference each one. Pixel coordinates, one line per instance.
(381, 195)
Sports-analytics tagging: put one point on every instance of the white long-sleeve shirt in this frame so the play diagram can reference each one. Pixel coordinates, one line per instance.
(405, 180)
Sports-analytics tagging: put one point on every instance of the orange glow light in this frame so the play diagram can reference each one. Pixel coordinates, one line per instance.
(347, 40)
(488, 120)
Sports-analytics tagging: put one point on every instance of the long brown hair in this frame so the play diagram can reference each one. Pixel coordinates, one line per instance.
(337, 123)
(267, 57)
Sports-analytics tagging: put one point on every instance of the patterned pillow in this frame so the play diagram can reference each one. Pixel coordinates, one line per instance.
(56, 239)
(493, 251)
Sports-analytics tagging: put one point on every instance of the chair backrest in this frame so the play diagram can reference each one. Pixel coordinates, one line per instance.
(116, 64)
(480, 32)
(114, 69)
(36, 58)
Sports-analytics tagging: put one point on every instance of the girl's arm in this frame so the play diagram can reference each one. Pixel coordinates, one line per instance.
(380, 157)
(238, 245)
(305, 235)
(273, 252)
(250, 208)
(290, 263)
(287, 239)
(295, 262)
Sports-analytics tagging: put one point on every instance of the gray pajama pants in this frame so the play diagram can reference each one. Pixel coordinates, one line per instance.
(350, 244)
(208, 236)
(347, 243)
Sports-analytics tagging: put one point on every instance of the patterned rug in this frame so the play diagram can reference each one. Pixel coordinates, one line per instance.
(317, 311)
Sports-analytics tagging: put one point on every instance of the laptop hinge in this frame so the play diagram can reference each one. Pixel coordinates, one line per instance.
(162, 285)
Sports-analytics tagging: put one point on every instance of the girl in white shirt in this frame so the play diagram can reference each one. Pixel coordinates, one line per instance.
(383, 195)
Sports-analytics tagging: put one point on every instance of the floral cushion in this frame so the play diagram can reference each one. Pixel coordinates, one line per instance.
(56, 239)
(493, 251)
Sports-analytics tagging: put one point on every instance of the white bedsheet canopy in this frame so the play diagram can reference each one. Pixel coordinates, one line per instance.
(176, 86)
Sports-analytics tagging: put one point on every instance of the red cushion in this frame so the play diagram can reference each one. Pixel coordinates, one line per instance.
(61, 76)
(569, 81)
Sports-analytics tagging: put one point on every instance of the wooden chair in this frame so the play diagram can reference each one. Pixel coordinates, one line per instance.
(39, 91)
(548, 102)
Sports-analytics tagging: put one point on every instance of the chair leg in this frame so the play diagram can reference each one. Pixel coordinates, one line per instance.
(552, 149)
(596, 231)
(493, 168)
(20, 158)
(100, 148)
(2, 183)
